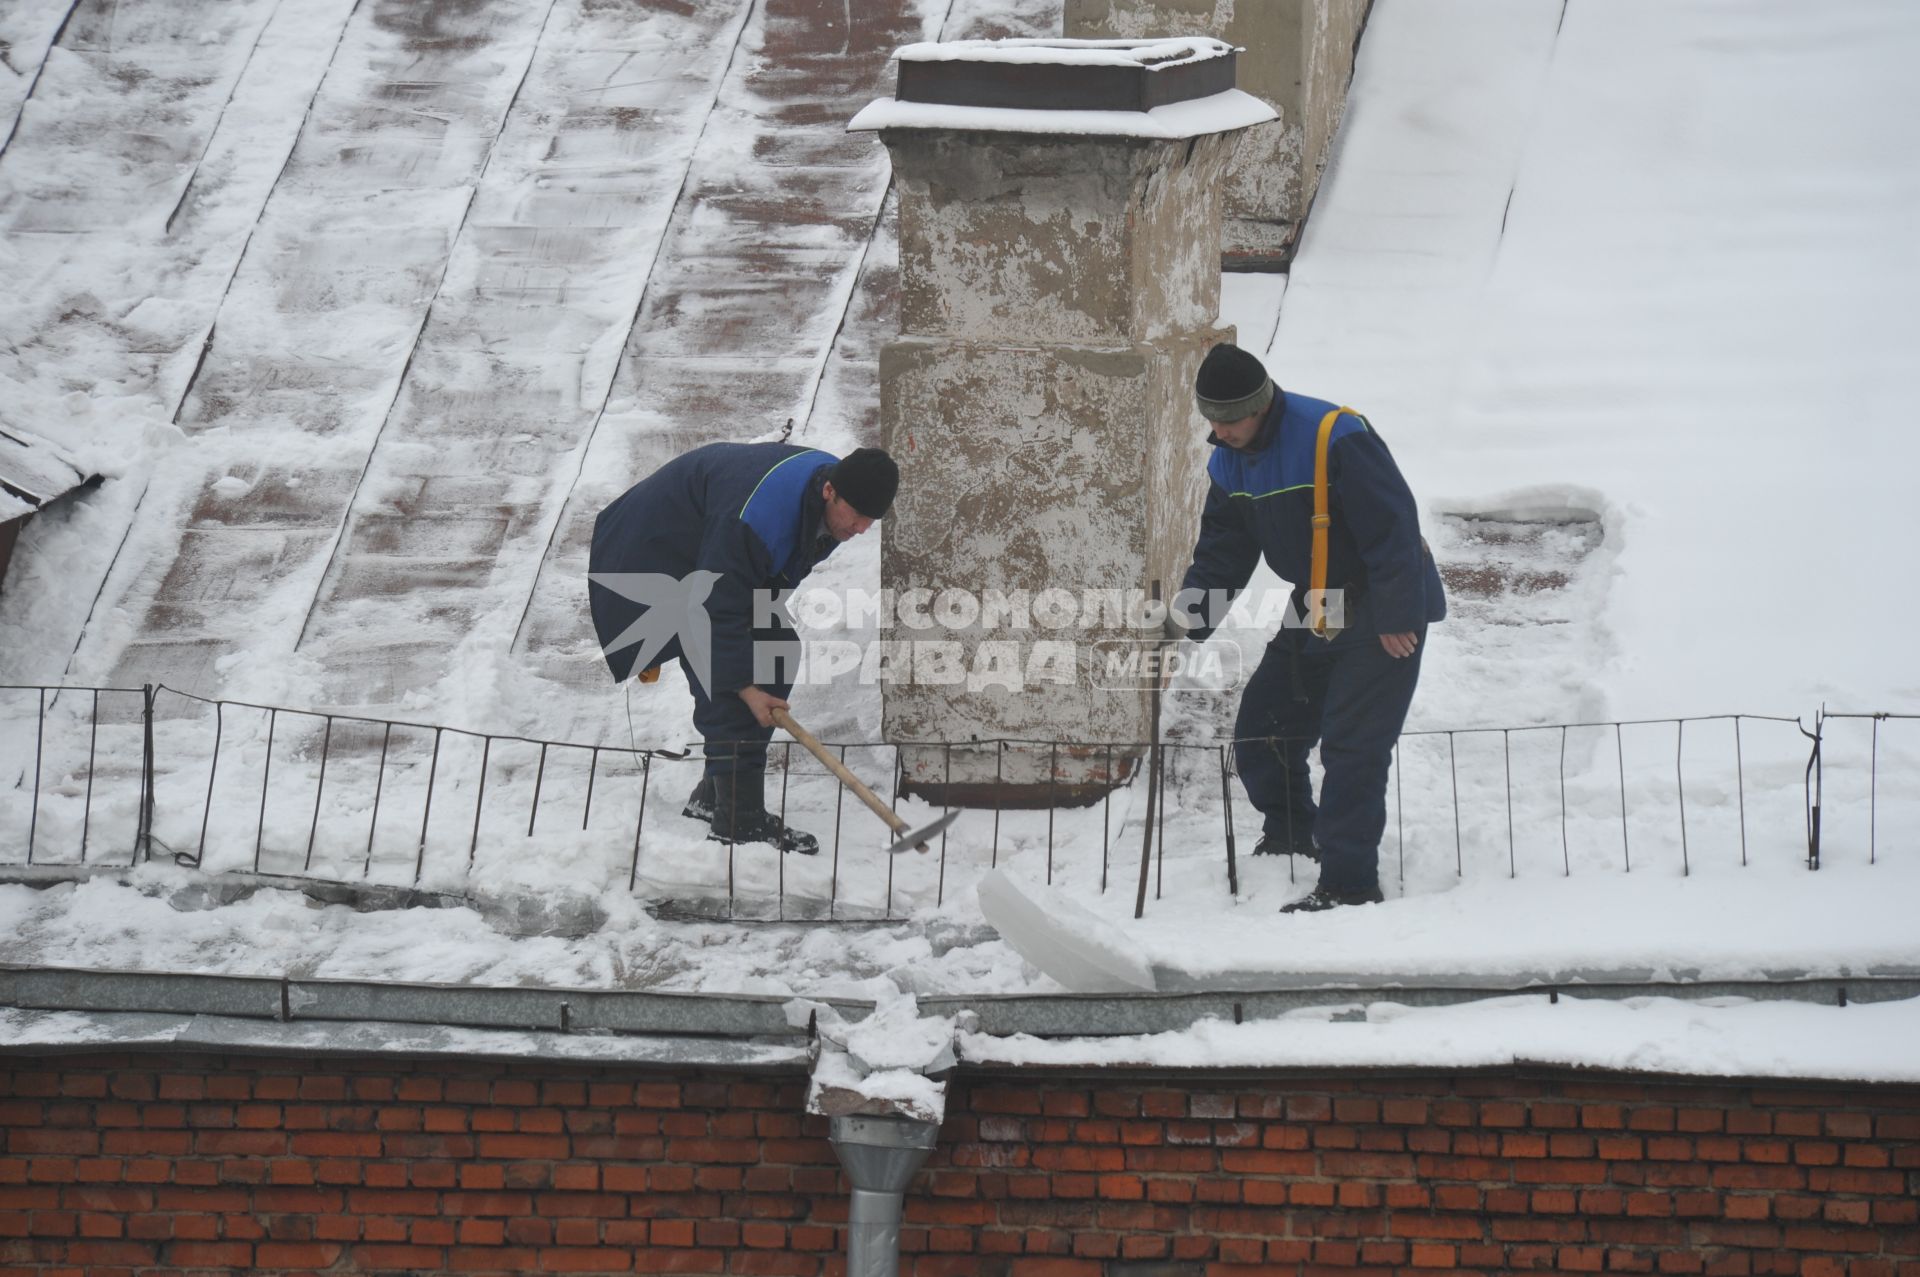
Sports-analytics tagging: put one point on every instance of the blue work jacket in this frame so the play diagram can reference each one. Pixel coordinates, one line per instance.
(753, 513)
(1260, 502)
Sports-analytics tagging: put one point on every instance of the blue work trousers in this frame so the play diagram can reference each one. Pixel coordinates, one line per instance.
(1349, 697)
(734, 741)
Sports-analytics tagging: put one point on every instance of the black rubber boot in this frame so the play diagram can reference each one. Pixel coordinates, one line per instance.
(1324, 898)
(700, 802)
(740, 815)
(1299, 843)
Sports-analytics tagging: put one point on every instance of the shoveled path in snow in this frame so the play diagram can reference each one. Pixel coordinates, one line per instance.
(515, 359)
(318, 326)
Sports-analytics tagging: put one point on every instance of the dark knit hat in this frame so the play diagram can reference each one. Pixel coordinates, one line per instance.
(866, 479)
(1231, 385)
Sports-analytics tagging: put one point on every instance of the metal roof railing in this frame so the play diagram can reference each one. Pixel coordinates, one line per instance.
(116, 775)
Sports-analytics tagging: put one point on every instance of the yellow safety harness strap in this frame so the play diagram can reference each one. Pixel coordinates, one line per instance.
(1322, 521)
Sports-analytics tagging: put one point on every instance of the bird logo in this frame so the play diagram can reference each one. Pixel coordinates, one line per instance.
(672, 607)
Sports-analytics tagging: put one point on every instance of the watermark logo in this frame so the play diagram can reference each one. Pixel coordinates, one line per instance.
(1110, 639)
(673, 607)
(1128, 665)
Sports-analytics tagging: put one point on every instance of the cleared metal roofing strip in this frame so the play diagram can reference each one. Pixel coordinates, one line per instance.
(43, 1032)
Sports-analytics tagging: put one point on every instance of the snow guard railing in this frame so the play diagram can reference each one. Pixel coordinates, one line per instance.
(111, 777)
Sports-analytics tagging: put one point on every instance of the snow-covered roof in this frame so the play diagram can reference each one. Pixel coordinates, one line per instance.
(1541, 290)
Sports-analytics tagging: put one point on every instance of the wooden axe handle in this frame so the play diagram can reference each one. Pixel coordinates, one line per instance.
(784, 720)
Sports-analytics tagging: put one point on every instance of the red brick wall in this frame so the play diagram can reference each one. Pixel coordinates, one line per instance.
(134, 1164)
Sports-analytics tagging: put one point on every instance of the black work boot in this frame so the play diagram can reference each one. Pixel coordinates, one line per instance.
(1321, 899)
(1281, 842)
(700, 802)
(740, 815)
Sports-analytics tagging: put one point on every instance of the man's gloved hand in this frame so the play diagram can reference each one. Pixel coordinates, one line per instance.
(1173, 628)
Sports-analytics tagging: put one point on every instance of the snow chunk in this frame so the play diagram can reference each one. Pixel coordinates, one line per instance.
(1068, 942)
(879, 1066)
(841, 1089)
(896, 1036)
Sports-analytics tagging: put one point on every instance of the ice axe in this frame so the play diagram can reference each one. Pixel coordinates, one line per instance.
(904, 837)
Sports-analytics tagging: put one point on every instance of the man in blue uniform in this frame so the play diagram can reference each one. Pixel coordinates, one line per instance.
(676, 565)
(1348, 685)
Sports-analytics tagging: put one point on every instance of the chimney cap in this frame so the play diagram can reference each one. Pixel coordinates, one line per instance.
(1175, 87)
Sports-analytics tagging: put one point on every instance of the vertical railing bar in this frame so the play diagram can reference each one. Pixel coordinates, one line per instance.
(1160, 834)
(1400, 818)
(1274, 743)
(999, 766)
(1506, 747)
(379, 787)
(1146, 825)
(320, 786)
(1453, 769)
(39, 737)
(426, 810)
(839, 803)
(733, 823)
(1873, 798)
(593, 766)
(1106, 821)
(266, 771)
(1566, 855)
(86, 818)
(1740, 786)
(1680, 785)
(1157, 782)
(1817, 778)
(539, 778)
(646, 776)
(479, 798)
(143, 829)
(1226, 808)
(213, 769)
(1620, 756)
(899, 772)
(780, 874)
(1053, 782)
(946, 806)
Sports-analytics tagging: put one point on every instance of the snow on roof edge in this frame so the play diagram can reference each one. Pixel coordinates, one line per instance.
(1864, 1043)
(1176, 122)
(1164, 52)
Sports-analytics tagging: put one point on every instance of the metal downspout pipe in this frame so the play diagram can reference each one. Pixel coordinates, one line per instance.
(880, 1155)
